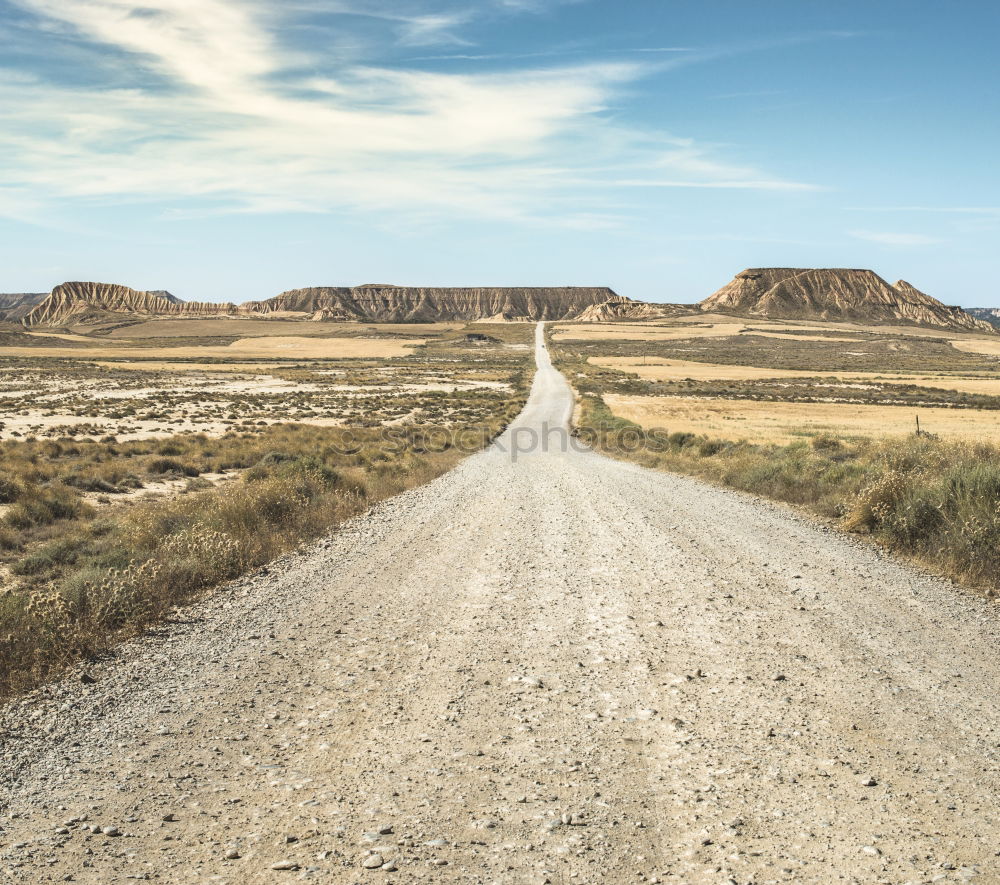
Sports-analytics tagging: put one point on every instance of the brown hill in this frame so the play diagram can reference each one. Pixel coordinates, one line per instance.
(413, 304)
(16, 306)
(835, 294)
(79, 302)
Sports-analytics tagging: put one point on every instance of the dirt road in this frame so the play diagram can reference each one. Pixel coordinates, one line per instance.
(555, 668)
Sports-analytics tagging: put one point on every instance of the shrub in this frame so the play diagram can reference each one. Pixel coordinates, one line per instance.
(10, 490)
(162, 466)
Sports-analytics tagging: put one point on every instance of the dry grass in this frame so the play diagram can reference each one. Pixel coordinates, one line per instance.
(988, 346)
(87, 580)
(662, 369)
(779, 422)
(88, 556)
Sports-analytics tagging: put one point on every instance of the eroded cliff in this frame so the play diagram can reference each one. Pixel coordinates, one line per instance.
(835, 294)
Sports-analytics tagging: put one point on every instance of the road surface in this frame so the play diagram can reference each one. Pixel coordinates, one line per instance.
(550, 668)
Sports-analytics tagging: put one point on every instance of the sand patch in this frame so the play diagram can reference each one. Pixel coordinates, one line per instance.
(784, 422)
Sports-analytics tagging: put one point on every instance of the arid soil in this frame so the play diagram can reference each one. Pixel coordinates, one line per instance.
(550, 668)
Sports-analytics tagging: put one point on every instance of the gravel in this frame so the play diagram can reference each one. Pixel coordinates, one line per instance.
(558, 639)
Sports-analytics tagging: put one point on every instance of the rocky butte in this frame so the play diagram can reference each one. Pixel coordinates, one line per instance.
(79, 302)
(835, 294)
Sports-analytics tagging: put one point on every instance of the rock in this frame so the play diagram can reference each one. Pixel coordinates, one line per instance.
(232, 854)
(834, 294)
(111, 831)
(373, 862)
(285, 865)
(74, 301)
(87, 679)
(869, 782)
(381, 303)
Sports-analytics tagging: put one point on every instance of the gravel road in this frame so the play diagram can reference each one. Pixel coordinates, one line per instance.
(556, 668)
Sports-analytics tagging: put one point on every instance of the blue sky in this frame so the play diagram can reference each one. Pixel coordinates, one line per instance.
(231, 149)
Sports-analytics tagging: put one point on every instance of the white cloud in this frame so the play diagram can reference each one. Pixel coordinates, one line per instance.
(220, 109)
(888, 238)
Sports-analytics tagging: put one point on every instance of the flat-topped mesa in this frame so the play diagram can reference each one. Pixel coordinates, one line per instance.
(394, 304)
(83, 302)
(845, 294)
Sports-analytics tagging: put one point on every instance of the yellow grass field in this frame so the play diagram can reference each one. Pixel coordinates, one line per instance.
(281, 347)
(661, 369)
(784, 422)
(988, 346)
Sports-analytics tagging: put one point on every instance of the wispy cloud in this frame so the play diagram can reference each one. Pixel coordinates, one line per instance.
(943, 210)
(217, 107)
(889, 238)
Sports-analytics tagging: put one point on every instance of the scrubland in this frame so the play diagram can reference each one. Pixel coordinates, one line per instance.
(101, 536)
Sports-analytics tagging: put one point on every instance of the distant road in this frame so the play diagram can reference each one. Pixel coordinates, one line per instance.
(555, 668)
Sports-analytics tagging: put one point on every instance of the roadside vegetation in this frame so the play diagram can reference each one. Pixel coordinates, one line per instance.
(935, 500)
(86, 561)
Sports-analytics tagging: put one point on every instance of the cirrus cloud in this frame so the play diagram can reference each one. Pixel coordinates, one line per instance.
(206, 100)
